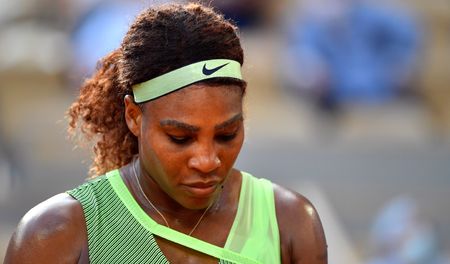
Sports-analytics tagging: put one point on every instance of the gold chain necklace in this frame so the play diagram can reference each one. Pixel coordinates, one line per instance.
(156, 209)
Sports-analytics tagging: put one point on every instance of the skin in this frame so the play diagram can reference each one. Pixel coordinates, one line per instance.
(179, 151)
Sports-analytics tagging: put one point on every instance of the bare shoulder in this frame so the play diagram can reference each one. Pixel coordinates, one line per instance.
(301, 232)
(52, 232)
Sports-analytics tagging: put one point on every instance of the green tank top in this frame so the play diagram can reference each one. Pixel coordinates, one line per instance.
(119, 231)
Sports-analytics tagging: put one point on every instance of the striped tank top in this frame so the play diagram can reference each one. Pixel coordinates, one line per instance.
(119, 231)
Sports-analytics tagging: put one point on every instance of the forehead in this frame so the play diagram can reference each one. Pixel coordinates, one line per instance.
(198, 101)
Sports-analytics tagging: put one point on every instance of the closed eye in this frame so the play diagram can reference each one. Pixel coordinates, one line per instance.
(226, 137)
(179, 140)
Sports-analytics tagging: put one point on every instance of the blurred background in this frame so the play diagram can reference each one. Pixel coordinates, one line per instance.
(348, 103)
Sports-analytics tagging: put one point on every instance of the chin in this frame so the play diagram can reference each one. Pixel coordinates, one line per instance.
(200, 202)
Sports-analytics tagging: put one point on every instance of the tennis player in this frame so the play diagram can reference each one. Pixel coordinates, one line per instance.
(164, 112)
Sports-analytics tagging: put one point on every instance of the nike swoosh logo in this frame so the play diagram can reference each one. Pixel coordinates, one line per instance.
(213, 70)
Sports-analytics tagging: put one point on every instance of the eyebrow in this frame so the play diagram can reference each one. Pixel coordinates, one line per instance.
(234, 119)
(192, 129)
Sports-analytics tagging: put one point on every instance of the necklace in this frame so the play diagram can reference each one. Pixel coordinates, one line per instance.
(156, 209)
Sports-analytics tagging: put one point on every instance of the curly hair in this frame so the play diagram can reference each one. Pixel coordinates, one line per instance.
(160, 40)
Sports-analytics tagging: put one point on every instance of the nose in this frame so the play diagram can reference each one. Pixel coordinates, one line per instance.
(205, 161)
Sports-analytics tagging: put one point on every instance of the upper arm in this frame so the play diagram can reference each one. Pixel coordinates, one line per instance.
(301, 232)
(51, 232)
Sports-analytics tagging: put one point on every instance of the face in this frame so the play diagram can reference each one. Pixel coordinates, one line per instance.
(189, 141)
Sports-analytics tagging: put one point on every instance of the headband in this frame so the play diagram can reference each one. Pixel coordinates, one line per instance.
(185, 76)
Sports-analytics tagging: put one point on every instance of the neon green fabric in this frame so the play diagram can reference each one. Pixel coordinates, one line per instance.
(114, 235)
(184, 76)
(255, 225)
(114, 218)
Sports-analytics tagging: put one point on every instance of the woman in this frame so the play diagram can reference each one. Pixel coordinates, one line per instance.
(165, 111)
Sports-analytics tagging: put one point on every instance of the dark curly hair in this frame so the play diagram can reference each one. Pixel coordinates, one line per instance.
(160, 40)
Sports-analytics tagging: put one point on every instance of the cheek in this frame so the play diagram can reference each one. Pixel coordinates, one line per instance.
(229, 154)
(154, 153)
(169, 159)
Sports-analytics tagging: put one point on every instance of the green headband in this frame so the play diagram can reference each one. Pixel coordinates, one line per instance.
(184, 76)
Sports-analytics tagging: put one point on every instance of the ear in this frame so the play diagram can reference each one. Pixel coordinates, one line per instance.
(133, 115)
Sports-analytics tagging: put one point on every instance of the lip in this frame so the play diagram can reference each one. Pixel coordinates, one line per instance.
(201, 189)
